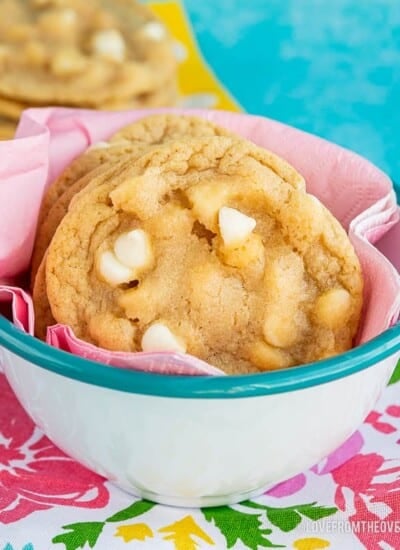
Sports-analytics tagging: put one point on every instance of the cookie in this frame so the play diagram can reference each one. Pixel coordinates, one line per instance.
(96, 161)
(128, 142)
(82, 52)
(154, 129)
(146, 131)
(43, 315)
(7, 129)
(11, 109)
(199, 246)
(165, 97)
(149, 130)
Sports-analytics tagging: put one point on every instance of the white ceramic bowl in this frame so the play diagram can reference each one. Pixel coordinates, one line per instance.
(194, 440)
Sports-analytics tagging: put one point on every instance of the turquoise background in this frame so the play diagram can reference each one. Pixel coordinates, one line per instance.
(329, 67)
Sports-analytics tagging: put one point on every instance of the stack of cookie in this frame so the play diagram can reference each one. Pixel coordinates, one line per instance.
(102, 54)
(177, 235)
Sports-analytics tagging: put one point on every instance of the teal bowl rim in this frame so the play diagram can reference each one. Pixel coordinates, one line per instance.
(206, 387)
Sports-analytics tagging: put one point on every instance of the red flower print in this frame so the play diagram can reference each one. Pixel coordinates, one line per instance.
(383, 427)
(393, 410)
(34, 474)
(374, 485)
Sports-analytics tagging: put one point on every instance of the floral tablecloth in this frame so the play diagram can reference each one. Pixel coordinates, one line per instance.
(351, 500)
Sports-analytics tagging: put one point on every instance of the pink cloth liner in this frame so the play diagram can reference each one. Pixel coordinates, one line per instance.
(356, 192)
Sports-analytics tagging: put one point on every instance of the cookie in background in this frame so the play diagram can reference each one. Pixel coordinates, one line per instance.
(102, 54)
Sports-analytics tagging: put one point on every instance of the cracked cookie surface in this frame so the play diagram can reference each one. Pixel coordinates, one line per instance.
(201, 246)
(128, 142)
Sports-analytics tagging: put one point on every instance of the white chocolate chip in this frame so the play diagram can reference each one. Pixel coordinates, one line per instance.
(4, 50)
(68, 16)
(332, 308)
(133, 249)
(67, 62)
(154, 30)
(112, 271)
(279, 330)
(98, 145)
(158, 337)
(180, 51)
(203, 100)
(109, 43)
(267, 357)
(235, 227)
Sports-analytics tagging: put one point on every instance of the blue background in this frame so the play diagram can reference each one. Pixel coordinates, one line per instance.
(329, 67)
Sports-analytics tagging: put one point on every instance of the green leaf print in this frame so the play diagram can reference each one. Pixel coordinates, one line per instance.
(396, 374)
(88, 532)
(136, 509)
(287, 519)
(236, 526)
(311, 511)
(80, 534)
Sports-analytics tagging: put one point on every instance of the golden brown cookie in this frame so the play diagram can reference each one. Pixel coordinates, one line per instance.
(96, 161)
(146, 131)
(200, 246)
(7, 129)
(156, 128)
(81, 52)
(43, 315)
(11, 109)
(128, 142)
(166, 96)
(150, 130)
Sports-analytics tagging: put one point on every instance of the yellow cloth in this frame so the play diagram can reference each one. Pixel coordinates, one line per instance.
(198, 85)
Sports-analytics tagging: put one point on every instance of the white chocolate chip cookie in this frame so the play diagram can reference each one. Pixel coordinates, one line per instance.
(82, 52)
(200, 246)
(128, 142)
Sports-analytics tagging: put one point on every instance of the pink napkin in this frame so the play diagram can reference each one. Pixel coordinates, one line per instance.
(355, 191)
